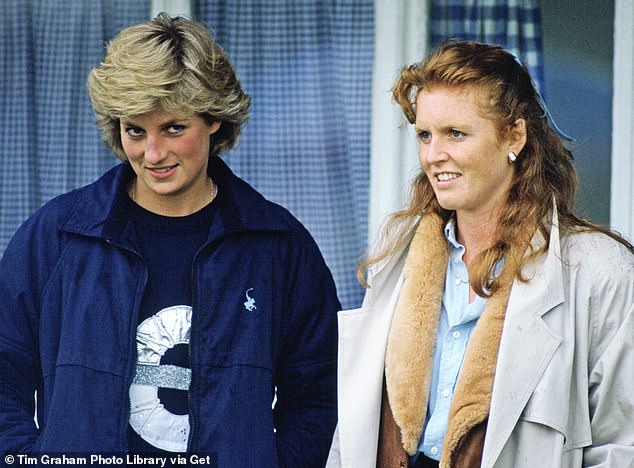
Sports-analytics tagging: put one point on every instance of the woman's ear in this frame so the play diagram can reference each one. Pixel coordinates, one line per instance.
(214, 127)
(517, 136)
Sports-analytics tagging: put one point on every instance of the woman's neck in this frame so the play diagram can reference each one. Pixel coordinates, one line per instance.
(476, 233)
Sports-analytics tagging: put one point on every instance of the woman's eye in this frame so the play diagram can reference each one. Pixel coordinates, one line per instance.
(456, 134)
(175, 129)
(134, 132)
(424, 135)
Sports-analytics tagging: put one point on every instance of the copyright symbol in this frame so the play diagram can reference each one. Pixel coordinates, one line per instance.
(9, 459)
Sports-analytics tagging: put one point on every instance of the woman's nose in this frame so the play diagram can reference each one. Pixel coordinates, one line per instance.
(432, 152)
(154, 149)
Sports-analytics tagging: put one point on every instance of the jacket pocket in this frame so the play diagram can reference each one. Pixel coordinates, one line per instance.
(87, 313)
(560, 403)
(534, 444)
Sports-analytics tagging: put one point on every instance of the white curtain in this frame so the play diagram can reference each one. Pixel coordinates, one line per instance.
(172, 7)
(401, 38)
(622, 191)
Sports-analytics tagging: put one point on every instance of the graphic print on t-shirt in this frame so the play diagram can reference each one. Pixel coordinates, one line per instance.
(168, 328)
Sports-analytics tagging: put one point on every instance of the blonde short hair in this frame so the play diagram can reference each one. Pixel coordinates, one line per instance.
(169, 63)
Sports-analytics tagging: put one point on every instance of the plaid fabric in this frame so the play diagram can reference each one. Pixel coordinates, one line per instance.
(514, 24)
(308, 66)
(50, 143)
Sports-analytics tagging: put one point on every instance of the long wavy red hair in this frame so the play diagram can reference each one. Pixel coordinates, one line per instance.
(543, 171)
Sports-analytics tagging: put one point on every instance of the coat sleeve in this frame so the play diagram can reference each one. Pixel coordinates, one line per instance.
(20, 375)
(305, 411)
(611, 363)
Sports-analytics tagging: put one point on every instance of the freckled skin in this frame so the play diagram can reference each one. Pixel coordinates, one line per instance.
(456, 139)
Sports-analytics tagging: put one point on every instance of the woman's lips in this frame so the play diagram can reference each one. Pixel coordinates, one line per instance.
(446, 176)
(161, 172)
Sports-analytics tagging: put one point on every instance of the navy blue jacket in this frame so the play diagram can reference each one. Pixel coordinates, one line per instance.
(71, 281)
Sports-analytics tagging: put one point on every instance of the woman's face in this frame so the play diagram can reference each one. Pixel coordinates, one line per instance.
(169, 155)
(461, 151)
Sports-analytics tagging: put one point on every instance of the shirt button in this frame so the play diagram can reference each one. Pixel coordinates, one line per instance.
(446, 393)
(434, 450)
(456, 334)
(458, 281)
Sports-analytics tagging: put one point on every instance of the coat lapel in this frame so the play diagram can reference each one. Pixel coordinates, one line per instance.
(410, 345)
(520, 366)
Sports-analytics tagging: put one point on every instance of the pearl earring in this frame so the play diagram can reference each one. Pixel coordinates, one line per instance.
(512, 157)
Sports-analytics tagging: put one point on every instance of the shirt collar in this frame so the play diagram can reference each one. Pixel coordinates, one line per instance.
(450, 233)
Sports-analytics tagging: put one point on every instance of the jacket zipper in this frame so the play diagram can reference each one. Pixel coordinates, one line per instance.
(190, 400)
(195, 311)
(135, 318)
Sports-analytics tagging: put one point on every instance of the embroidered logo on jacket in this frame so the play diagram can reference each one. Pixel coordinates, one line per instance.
(250, 302)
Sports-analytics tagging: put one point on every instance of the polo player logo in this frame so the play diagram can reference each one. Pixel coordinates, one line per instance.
(250, 302)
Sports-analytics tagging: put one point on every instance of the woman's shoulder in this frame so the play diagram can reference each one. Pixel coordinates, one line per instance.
(599, 254)
(601, 278)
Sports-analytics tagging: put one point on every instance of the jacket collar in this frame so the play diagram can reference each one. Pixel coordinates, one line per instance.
(99, 211)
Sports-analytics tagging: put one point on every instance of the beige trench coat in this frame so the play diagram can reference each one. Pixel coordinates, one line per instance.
(563, 394)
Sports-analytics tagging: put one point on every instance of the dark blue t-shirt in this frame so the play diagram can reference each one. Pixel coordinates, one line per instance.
(159, 405)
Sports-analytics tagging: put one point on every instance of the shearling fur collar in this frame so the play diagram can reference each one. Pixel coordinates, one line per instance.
(412, 338)
(410, 346)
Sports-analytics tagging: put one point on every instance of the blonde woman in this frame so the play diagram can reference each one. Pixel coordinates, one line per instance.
(164, 308)
(498, 325)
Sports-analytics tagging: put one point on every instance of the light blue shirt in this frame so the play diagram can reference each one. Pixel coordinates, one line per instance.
(458, 318)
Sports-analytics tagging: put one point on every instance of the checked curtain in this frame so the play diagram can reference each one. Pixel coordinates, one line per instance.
(308, 64)
(514, 24)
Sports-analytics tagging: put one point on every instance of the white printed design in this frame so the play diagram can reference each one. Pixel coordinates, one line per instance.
(148, 417)
(250, 302)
